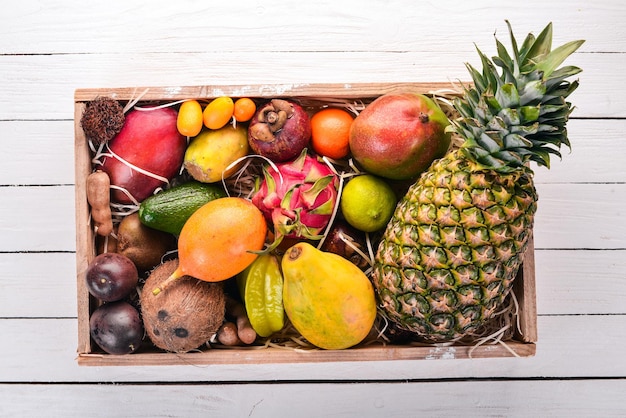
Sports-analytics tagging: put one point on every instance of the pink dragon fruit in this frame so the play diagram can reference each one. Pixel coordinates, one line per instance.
(297, 200)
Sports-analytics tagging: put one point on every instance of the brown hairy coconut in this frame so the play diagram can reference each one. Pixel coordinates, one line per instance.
(185, 315)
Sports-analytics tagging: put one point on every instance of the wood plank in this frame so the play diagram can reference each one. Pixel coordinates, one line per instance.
(569, 216)
(580, 216)
(53, 27)
(564, 283)
(42, 99)
(255, 356)
(42, 153)
(510, 398)
(37, 285)
(44, 350)
(574, 282)
(37, 218)
(525, 291)
(85, 240)
(305, 91)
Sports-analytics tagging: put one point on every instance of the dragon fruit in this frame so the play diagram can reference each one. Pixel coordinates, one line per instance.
(298, 200)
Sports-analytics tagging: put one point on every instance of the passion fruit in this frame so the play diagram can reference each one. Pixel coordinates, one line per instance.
(111, 277)
(117, 328)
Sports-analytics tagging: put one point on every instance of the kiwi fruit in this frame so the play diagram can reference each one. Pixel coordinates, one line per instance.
(143, 245)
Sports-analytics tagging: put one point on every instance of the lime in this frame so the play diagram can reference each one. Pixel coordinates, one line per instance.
(367, 202)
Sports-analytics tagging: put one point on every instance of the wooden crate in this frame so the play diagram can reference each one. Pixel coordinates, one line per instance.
(522, 344)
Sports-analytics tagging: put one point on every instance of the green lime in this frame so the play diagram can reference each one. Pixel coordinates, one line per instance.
(367, 202)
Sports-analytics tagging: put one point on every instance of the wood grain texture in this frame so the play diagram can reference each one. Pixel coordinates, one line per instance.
(572, 282)
(592, 140)
(44, 350)
(50, 49)
(188, 26)
(477, 398)
(49, 94)
(587, 216)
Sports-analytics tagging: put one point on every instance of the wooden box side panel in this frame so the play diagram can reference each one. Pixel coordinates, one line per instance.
(525, 291)
(85, 248)
(320, 91)
(281, 355)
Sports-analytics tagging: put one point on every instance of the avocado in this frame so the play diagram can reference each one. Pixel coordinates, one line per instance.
(169, 210)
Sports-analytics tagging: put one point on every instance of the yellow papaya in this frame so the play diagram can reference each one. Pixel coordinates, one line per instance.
(328, 299)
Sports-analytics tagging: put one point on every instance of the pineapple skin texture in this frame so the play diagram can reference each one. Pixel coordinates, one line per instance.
(453, 247)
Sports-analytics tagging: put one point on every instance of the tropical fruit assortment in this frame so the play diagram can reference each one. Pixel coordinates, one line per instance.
(321, 223)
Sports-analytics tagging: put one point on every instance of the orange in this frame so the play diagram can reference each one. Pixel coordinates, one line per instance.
(190, 119)
(244, 109)
(330, 132)
(219, 240)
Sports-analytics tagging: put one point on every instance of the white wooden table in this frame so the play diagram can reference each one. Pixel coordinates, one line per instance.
(48, 49)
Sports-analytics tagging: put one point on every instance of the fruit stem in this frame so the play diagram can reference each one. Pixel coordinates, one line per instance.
(174, 276)
(294, 252)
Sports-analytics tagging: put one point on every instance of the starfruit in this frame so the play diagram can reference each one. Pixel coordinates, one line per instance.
(261, 288)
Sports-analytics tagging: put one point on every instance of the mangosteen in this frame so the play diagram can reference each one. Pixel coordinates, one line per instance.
(279, 130)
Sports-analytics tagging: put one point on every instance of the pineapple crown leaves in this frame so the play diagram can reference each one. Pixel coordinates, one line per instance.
(516, 111)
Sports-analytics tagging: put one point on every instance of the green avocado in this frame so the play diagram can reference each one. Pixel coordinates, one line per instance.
(169, 210)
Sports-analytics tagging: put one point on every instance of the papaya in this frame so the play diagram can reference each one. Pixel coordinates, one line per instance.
(328, 299)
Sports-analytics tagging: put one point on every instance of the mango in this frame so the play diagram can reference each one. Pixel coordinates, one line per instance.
(213, 154)
(145, 154)
(328, 299)
(399, 135)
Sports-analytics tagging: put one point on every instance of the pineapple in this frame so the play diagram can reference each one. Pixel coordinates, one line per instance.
(450, 253)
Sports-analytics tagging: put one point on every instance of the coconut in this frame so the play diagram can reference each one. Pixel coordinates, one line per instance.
(185, 315)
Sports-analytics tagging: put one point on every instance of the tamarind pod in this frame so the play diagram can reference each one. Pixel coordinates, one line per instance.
(227, 334)
(98, 197)
(245, 331)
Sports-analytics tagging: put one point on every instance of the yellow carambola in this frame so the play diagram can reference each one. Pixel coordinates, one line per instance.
(261, 287)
